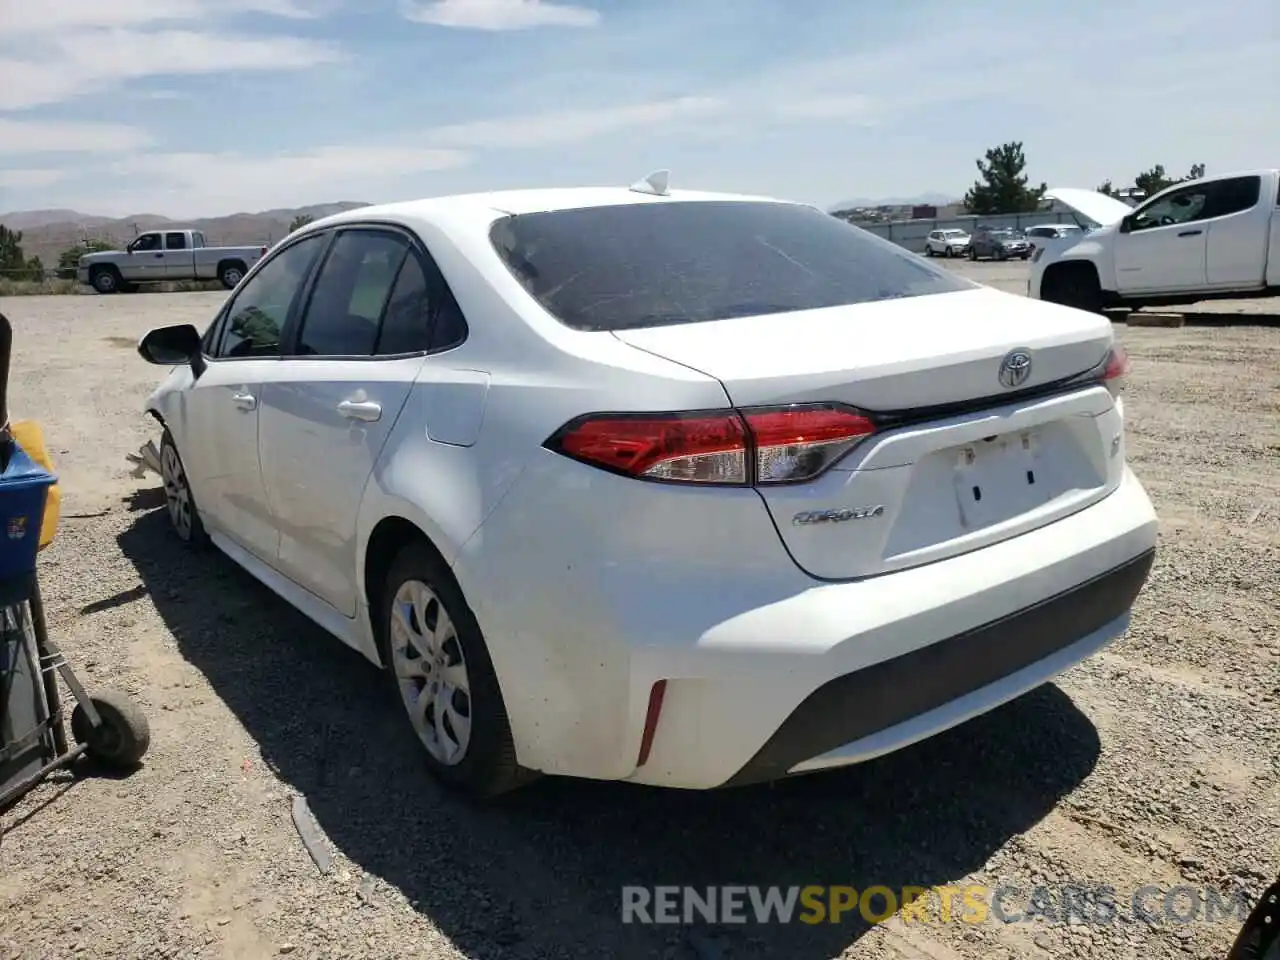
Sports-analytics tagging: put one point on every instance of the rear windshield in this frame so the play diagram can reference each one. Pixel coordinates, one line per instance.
(649, 264)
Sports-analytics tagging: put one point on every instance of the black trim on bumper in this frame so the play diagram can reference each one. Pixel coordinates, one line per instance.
(874, 698)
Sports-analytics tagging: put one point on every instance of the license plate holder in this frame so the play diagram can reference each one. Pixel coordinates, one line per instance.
(996, 479)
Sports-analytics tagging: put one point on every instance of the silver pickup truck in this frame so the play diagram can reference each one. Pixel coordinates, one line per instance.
(162, 255)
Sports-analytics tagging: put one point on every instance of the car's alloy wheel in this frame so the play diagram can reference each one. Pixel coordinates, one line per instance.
(431, 671)
(179, 500)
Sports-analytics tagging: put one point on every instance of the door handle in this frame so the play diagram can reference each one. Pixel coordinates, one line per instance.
(366, 410)
(1190, 233)
(159, 256)
(245, 401)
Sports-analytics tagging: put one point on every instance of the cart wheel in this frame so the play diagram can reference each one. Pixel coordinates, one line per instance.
(122, 737)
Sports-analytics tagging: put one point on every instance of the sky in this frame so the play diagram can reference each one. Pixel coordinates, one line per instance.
(194, 108)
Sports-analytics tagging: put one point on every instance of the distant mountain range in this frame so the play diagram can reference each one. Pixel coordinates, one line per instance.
(46, 233)
(931, 198)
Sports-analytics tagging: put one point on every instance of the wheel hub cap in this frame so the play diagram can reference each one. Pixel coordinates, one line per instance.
(431, 671)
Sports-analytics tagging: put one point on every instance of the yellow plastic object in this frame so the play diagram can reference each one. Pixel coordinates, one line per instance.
(30, 438)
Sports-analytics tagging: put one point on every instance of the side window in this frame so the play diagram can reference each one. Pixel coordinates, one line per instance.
(406, 324)
(450, 327)
(259, 311)
(1181, 206)
(197, 240)
(1233, 196)
(146, 242)
(347, 300)
(175, 241)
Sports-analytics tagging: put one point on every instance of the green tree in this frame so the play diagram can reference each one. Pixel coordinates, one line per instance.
(1003, 187)
(69, 259)
(13, 263)
(300, 221)
(1154, 180)
(1107, 188)
(34, 270)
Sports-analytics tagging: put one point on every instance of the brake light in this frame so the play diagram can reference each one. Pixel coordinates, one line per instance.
(757, 445)
(1116, 369)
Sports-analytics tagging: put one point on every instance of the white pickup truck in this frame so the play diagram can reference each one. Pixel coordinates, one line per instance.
(160, 255)
(1212, 238)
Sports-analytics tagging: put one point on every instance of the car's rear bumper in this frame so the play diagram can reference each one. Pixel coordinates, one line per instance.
(897, 702)
(765, 671)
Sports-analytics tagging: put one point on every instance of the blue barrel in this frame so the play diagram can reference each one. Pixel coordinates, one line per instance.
(24, 487)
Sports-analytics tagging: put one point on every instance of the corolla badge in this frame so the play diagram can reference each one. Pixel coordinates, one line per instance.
(1015, 368)
(837, 516)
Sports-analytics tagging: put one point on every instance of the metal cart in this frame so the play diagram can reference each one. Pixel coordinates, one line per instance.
(107, 726)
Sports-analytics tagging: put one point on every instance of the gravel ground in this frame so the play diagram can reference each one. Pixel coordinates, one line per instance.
(1153, 763)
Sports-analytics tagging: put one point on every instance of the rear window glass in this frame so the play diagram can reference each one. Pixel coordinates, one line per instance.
(649, 264)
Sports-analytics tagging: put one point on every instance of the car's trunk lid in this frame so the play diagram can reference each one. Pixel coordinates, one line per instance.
(963, 460)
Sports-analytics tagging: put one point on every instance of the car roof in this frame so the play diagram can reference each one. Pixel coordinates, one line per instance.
(489, 206)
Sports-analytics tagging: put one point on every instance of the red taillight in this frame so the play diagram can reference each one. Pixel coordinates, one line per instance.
(651, 715)
(1116, 369)
(776, 445)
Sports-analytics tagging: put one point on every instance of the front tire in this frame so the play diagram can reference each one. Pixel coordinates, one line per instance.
(1074, 285)
(180, 502)
(106, 280)
(440, 672)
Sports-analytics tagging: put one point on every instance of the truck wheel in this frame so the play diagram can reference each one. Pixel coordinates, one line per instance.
(230, 274)
(105, 279)
(1073, 285)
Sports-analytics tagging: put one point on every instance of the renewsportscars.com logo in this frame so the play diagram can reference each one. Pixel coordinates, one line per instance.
(972, 904)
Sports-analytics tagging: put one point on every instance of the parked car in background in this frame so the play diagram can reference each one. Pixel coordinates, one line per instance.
(160, 255)
(1215, 237)
(679, 488)
(946, 243)
(1053, 231)
(998, 243)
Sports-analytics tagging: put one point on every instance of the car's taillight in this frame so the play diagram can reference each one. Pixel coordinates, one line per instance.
(1116, 369)
(756, 445)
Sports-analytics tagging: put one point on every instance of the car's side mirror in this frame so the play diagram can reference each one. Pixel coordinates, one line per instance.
(171, 346)
(1126, 224)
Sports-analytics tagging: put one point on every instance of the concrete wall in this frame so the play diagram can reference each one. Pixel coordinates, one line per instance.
(912, 233)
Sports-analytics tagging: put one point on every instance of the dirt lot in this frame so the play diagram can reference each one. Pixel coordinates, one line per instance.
(1157, 762)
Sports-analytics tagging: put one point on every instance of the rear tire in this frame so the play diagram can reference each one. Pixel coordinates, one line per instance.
(973, 254)
(230, 274)
(439, 671)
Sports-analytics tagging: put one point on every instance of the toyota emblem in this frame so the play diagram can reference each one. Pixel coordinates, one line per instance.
(1015, 369)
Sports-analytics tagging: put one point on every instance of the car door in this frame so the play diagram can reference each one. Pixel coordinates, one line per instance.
(145, 262)
(1165, 244)
(219, 433)
(177, 260)
(334, 399)
(1239, 227)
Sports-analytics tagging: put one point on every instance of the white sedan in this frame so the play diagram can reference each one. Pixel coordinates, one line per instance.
(946, 243)
(677, 488)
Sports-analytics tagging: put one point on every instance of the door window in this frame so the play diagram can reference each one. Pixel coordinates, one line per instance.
(350, 292)
(146, 242)
(175, 241)
(1182, 206)
(259, 311)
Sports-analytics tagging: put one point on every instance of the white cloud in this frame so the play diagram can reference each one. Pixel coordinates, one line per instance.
(572, 125)
(52, 136)
(94, 60)
(499, 14)
(29, 179)
(213, 184)
(24, 17)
